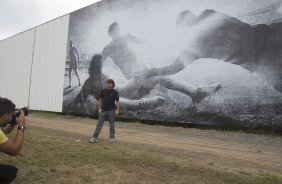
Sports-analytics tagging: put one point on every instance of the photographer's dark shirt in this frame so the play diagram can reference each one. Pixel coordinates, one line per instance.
(108, 98)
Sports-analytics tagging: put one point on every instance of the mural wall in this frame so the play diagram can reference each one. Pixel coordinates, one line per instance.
(197, 62)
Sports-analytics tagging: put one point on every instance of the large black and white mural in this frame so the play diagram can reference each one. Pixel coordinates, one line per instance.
(203, 62)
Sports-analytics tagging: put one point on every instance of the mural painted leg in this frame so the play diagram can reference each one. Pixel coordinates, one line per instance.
(203, 92)
(171, 69)
(143, 103)
(197, 94)
(76, 73)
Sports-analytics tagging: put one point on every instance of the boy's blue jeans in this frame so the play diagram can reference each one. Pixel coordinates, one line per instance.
(110, 115)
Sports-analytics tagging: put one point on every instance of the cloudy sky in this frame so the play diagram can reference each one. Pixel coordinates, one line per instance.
(20, 15)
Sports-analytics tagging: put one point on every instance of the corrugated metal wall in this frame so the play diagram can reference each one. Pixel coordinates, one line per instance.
(32, 66)
(15, 64)
(47, 78)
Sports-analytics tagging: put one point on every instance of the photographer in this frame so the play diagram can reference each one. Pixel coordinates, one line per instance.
(11, 147)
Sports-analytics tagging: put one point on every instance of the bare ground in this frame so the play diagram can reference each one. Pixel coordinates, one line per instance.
(233, 151)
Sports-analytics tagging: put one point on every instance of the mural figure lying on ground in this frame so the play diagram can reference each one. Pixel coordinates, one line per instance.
(132, 93)
(251, 47)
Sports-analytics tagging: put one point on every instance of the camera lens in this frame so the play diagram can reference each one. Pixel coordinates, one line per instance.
(25, 111)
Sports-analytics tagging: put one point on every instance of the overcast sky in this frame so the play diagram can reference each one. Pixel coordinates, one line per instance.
(19, 15)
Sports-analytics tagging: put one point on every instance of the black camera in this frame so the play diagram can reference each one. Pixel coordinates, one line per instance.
(17, 113)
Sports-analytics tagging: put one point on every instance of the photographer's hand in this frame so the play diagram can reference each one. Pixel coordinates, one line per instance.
(13, 147)
(21, 120)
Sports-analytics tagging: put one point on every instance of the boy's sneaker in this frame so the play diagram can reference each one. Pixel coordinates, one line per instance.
(93, 140)
(112, 140)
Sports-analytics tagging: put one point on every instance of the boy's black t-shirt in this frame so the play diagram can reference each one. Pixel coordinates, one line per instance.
(108, 99)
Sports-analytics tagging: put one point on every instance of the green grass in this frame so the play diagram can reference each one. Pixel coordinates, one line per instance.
(56, 157)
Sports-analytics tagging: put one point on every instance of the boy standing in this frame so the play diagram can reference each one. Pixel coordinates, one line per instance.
(108, 107)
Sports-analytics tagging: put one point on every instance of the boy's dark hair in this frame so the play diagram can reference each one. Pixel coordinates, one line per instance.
(6, 106)
(111, 81)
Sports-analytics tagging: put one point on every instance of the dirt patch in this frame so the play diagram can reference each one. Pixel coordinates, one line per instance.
(233, 151)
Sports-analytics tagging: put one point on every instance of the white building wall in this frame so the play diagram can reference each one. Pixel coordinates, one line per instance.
(47, 79)
(15, 65)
